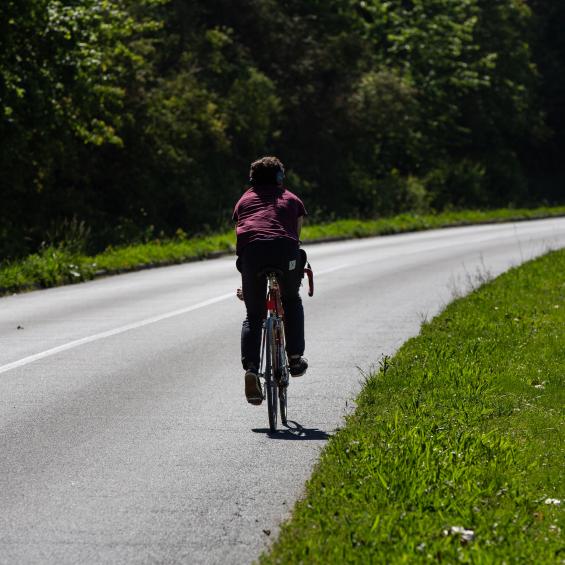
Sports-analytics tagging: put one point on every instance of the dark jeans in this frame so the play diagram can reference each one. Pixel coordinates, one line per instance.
(278, 253)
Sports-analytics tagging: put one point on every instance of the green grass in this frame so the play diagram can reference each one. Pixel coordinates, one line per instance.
(417, 222)
(164, 252)
(55, 265)
(463, 427)
(61, 264)
(52, 266)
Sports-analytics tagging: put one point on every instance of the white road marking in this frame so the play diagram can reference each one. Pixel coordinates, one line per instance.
(128, 327)
(110, 333)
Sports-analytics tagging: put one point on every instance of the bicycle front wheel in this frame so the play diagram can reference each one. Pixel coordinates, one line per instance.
(270, 382)
(282, 371)
(283, 392)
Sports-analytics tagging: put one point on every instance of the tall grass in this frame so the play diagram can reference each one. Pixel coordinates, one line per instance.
(456, 451)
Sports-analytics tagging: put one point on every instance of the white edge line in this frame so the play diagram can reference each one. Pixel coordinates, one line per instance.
(128, 327)
(109, 333)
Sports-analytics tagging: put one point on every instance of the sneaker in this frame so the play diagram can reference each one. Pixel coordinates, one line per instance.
(253, 389)
(298, 366)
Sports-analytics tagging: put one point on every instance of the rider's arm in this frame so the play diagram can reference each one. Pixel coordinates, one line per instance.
(299, 223)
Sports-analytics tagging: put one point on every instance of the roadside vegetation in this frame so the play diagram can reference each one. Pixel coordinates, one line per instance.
(66, 262)
(455, 451)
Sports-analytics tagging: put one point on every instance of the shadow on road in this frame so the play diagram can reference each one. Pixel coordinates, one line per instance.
(294, 431)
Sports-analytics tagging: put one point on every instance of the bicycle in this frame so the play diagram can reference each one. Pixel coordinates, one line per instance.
(274, 367)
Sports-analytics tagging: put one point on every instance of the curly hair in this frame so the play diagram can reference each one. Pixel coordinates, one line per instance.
(265, 170)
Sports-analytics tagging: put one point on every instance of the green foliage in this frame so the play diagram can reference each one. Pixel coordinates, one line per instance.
(140, 117)
(474, 82)
(64, 72)
(455, 451)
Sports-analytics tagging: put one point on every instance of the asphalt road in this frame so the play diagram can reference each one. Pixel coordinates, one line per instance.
(124, 433)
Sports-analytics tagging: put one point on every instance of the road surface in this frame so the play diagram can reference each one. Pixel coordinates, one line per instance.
(124, 433)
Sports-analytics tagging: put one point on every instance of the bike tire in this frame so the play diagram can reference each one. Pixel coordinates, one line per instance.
(283, 399)
(270, 383)
(282, 372)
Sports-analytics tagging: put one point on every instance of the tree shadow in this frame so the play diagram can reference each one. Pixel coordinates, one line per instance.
(294, 431)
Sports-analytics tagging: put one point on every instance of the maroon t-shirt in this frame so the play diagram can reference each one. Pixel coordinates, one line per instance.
(267, 212)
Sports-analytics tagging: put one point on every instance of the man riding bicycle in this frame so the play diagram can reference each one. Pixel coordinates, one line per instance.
(268, 222)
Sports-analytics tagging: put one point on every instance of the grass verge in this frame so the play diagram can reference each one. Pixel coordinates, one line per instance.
(418, 222)
(455, 452)
(57, 265)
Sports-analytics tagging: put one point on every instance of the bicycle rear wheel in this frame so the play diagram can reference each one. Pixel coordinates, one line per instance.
(270, 382)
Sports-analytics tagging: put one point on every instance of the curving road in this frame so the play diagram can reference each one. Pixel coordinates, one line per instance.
(124, 434)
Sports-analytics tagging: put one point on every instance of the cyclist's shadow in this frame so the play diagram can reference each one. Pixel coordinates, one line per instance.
(294, 431)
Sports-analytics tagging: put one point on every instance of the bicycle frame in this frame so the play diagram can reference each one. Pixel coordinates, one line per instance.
(274, 319)
(273, 303)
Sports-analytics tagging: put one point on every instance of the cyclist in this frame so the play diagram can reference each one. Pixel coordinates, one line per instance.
(268, 222)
